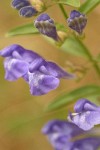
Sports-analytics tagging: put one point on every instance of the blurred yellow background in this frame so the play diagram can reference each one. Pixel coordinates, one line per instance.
(20, 120)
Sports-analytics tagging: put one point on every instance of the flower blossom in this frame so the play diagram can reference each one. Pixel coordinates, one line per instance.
(63, 136)
(77, 21)
(41, 75)
(86, 114)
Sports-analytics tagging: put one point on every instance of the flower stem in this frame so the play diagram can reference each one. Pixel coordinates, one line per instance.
(63, 11)
(90, 57)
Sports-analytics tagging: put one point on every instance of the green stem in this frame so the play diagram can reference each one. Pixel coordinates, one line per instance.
(96, 67)
(63, 11)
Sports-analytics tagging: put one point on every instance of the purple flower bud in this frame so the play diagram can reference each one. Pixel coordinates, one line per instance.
(41, 75)
(27, 11)
(63, 136)
(86, 114)
(18, 4)
(46, 26)
(77, 21)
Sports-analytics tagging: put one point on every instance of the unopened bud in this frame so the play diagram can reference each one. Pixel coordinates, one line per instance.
(28, 11)
(46, 26)
(18, 4)
(77, 21)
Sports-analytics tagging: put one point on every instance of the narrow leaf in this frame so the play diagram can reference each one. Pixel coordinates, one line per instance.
(24, 29)
(74, 3)
(88, 6)
(30, 29)
(82, 92)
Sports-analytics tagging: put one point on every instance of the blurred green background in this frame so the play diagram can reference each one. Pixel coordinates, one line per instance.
(20, 113)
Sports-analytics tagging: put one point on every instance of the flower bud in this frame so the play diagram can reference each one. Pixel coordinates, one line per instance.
(18, 4)
(77, 21)
(27, 11)
(46, 26)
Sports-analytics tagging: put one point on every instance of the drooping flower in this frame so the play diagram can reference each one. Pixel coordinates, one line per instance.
(63, 136)
(46, 26)
(41, 75)
(86, 114)
(77, 21)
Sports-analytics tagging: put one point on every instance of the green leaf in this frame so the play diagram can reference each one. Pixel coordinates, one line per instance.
(22, 30)
(88, 6)
(74, 3)
(30, 29)
(68, 98)
(73, 46)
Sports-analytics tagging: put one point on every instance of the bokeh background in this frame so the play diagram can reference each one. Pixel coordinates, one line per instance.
(21, 114)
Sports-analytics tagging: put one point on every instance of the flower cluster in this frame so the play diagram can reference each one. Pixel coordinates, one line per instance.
(41, 75)
(45, 25)
(64, 135)
(24, 7)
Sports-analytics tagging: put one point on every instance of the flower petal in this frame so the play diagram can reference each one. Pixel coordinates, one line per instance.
(14, 68)
(56, 71)
(41, 84)
(84, 105)
(18, 52)
(36, 64)
(91, 143)
(59, 133)
(86, 120)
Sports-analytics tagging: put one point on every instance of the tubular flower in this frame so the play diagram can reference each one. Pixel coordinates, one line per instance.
(41, 75)
(46, 26)
(86, 114)
(63, 136)
(77, 21)
(25, 8)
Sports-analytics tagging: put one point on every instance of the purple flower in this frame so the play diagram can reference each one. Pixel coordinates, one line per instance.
(77, 21)
(46, 26)
(28, 11)
(41, 75)
(63, 136)
(18, 4)
(86, 114)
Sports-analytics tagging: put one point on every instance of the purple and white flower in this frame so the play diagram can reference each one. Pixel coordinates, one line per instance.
(41, 75)
(63, 136)
(86, 115)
